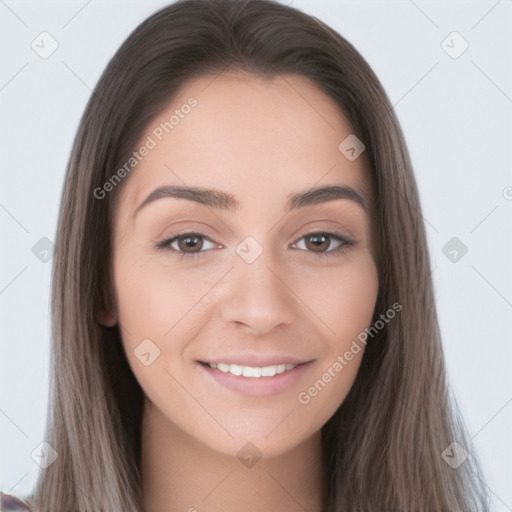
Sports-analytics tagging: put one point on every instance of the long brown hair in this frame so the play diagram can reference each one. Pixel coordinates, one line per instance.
(383, 448)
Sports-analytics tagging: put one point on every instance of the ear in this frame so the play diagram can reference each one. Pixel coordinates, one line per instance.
(106, 314)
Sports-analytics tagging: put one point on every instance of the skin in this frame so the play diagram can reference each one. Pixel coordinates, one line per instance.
(259, 140)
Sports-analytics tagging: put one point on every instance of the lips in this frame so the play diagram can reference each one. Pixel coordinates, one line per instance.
(255, 387)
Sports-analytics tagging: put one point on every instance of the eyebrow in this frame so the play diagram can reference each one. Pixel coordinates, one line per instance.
(224, 201)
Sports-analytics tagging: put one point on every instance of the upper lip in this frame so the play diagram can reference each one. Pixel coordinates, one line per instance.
(258, 360)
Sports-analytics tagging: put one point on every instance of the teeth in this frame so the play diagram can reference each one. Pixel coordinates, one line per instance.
(251, 371)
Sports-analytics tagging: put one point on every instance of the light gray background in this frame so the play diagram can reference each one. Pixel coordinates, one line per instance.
(456, 115)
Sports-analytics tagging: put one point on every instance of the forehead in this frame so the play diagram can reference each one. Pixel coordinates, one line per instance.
(254, 137)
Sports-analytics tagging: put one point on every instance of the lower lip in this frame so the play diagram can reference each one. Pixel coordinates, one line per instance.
(257, 386)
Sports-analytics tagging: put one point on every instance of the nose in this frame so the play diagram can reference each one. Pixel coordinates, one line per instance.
(258, 295)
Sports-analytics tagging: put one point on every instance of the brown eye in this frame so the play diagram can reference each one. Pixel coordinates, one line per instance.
(186, 242)
(318, 242)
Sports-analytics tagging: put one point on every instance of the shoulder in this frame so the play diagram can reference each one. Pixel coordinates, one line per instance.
(10, 503)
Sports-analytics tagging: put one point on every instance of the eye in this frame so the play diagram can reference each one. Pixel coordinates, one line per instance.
(319, 240)
(182, 242)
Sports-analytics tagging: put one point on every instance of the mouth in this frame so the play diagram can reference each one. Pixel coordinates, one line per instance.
(253, 381)
(252, 371)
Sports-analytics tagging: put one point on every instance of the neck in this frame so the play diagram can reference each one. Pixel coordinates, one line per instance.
(180, 473)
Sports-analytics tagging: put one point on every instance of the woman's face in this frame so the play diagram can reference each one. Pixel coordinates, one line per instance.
(254, 280)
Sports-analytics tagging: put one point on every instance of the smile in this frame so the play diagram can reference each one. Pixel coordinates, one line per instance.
(254, 381)
(252, 371)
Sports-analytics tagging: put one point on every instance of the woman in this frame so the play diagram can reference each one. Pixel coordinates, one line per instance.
(294, 361)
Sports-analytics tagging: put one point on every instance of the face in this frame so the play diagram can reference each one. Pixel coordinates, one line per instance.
(245, 275)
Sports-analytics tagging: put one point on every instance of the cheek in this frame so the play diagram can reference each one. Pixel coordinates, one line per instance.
(154, 307)
(151, 299)
(162, 304)
(341, 298)
(344, 307)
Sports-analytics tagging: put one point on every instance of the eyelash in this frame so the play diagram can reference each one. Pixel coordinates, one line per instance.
(344, 247)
